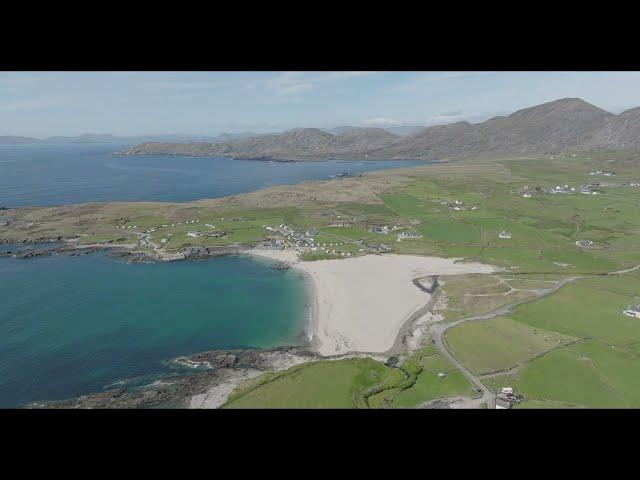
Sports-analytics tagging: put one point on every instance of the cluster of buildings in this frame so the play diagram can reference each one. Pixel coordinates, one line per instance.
(564, 189)
(506, 398)
(458, 205)
(296, 238)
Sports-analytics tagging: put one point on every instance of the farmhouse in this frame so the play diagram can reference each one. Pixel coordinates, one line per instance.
(506, 397)
(526, 194)
(409, 234)
(502, 404)
(504, 234)
(632, 311)
(378, 229)
(585, 243)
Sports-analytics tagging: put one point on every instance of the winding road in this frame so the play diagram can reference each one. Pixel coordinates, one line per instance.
(437, 331)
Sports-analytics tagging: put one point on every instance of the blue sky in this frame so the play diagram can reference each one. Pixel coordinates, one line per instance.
(41, 104)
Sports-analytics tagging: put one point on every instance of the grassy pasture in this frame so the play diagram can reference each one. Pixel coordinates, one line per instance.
(499, 343)
(323, 384)
(583, 312)
(589, 374)
(429, 386)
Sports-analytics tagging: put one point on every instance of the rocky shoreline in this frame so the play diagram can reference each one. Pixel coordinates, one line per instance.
(176, 391)
(72, 249)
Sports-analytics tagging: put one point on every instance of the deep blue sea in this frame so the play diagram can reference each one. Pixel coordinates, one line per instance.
(75, 325)
(76, 173)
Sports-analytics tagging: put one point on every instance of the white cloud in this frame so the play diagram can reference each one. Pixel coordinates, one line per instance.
(292, 85)
(186, 85)
(383, 122)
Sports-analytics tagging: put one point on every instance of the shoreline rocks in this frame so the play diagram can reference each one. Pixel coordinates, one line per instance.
(175, 391)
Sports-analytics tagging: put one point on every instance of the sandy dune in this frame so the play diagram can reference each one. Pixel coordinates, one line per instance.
(361, 303)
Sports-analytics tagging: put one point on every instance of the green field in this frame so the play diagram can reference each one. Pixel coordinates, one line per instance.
(354, 383)
(429, 386)
(499, 343)
(325, 384)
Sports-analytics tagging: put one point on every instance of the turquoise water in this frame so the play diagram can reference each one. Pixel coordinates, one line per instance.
(73, 325)
(62, 174)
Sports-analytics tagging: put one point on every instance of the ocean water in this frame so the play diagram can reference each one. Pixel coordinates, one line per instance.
(74, 325)
(47, 175)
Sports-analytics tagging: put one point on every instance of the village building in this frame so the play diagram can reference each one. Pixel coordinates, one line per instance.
(194, 234)
(505, 398)
(564, 189)
(632, 311)
(379, 229)
(504, 234)
(526, 194)
(585, 243)
(408, 234)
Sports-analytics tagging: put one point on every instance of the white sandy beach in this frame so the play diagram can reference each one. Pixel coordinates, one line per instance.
(362, 303)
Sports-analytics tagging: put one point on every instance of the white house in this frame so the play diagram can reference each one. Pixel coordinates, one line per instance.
(585, 243)
(194, 234)
(504, 234)
(632, 311)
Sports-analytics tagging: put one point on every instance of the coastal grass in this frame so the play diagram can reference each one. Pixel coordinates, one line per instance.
(322, 384)
(354, 383)
(429, 386)
(499, 343)
(475, 294)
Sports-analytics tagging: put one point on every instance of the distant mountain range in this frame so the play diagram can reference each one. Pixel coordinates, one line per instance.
(108, 138)
(565, 124)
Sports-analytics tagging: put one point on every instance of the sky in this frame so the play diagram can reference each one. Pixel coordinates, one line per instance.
(41, 104)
